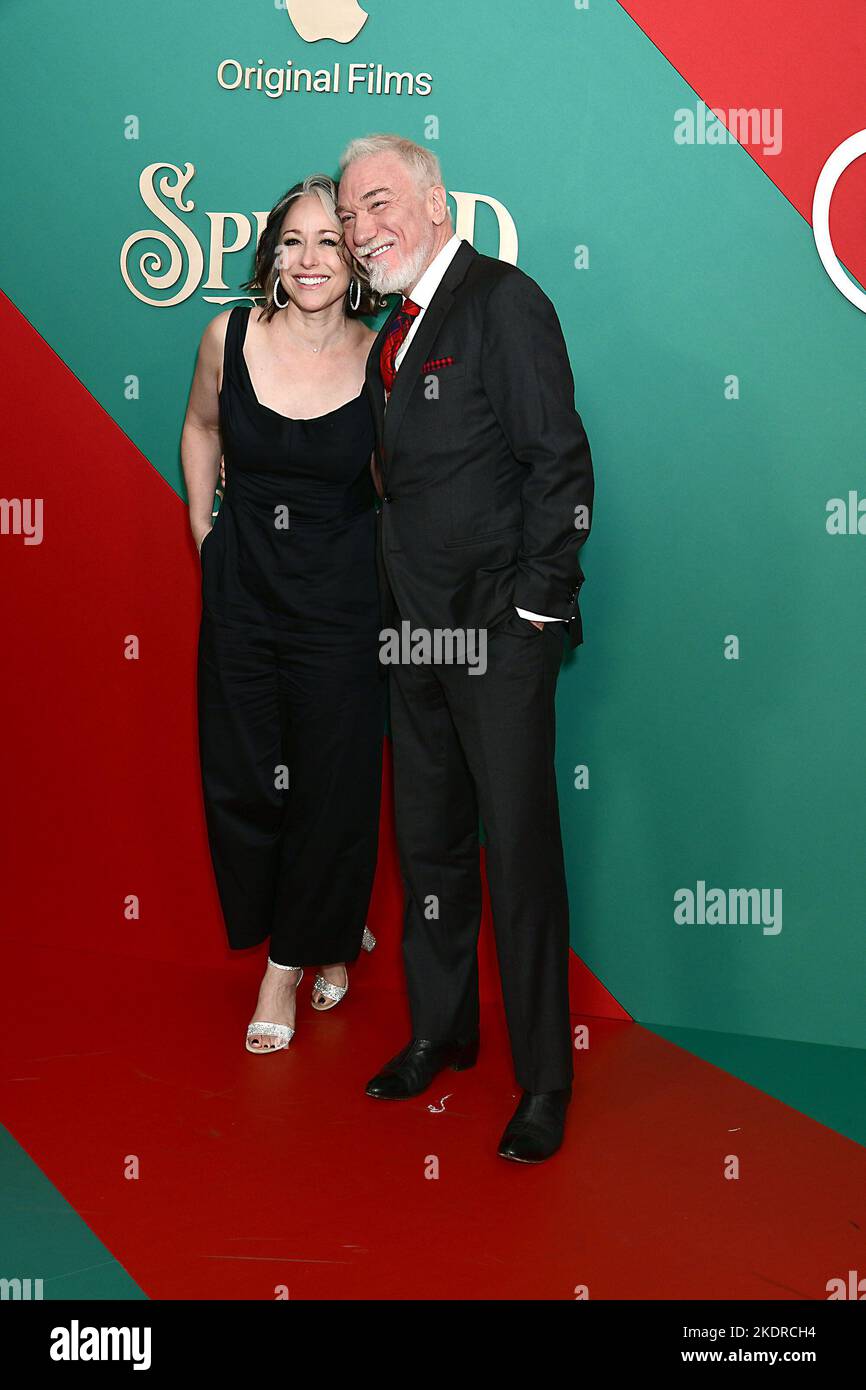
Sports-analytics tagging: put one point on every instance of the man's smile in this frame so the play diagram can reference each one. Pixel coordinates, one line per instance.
(377, 252)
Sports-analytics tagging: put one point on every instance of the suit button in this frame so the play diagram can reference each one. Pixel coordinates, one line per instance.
(386, 497)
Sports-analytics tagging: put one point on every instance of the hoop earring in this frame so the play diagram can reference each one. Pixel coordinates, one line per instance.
(354, 294)
(276, 298)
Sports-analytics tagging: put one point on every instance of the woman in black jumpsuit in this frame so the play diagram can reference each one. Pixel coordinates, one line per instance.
(290, 688)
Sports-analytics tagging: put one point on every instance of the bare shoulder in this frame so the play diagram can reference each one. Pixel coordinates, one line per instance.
(211, 354)
(213, 338)
(212, 346)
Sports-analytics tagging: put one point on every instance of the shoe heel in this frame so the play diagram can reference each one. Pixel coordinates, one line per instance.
(465, 1057)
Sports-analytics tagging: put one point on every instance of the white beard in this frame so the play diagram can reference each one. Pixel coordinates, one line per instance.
(401, 277)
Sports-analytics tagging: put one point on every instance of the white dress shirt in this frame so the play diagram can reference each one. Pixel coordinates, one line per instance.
(422, 295)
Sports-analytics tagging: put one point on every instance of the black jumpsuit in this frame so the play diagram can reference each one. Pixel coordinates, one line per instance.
(291, 693)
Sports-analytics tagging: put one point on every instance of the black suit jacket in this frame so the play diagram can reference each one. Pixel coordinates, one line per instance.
(483, 457)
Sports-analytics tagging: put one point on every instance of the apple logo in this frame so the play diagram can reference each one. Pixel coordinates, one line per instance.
(341, 20)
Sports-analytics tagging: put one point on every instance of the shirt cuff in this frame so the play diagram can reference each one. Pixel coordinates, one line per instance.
(538, 617)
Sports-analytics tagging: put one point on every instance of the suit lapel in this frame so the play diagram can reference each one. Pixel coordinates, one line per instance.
(375, 389)
(413, 360)
(418, 350)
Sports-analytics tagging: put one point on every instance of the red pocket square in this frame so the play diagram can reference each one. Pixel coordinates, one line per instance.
(436, 362)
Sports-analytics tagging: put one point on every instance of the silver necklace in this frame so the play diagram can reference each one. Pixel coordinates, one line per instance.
(307, 347)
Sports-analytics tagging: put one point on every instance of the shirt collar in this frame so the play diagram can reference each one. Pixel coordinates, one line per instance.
(432, 277)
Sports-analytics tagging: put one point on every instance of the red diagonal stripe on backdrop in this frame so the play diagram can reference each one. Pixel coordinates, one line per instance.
(101, 781)
(810, 60)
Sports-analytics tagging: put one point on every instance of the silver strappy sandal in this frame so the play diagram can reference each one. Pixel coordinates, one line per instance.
(336, 992)
(281, 1031)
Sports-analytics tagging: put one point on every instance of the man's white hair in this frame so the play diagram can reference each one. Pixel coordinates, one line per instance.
(422, 162)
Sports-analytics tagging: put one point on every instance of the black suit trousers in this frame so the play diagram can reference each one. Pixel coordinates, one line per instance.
(463, 744)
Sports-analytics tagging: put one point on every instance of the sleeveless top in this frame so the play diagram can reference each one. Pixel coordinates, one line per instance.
(293, 543)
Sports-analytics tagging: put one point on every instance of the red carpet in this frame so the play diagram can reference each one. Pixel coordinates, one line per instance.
(261, 1171)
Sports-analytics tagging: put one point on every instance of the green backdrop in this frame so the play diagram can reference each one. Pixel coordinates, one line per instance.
(710, 515)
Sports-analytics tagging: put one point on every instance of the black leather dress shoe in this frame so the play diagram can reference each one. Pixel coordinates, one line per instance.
(536, 1128)
(413, 1069)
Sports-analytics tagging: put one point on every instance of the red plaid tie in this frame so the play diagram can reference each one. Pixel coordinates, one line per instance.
(399, 327)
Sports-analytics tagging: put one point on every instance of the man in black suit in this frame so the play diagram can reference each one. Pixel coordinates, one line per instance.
(487, 489)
